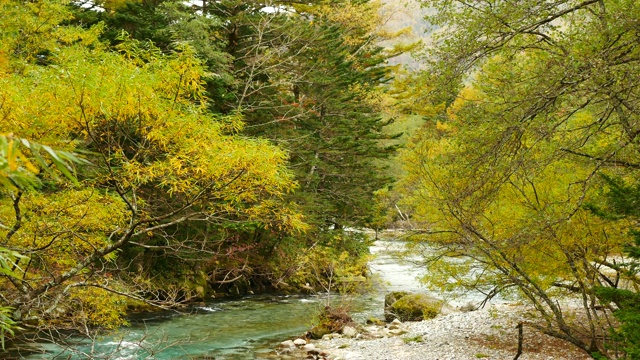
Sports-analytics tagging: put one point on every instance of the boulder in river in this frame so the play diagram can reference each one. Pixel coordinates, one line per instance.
(331, 320)
(411, 307)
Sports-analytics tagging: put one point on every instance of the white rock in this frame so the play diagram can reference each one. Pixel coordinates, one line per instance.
(349, 331)
(396, 322)
(308, 347)
(331, 336)
(287, 344)
(300, 342)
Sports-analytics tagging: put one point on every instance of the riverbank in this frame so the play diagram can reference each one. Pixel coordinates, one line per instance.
(488, 333)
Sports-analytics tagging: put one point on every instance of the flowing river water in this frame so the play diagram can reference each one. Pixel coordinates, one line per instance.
(244, 328)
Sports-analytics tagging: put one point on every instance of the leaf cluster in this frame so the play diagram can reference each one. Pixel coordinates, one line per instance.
(543, 103)
(156, 163)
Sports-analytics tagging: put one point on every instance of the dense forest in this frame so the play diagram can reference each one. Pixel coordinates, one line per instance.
(154, 153)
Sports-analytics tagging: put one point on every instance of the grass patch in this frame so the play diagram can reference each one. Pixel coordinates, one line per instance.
(416, 339)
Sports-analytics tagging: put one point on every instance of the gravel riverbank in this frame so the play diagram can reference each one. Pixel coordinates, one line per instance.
(488, 333)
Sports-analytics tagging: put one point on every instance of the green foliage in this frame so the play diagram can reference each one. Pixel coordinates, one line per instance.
(7, 325)
(206, 133)
(159, 164)
(100, 308)
(338, 264)
(413, 339)
(628, 314)
(17, 172)
(308, 80)
(8, 264)
(313, 87)
(498, 181)
(621, 201)
(9, 261)
(168, 25)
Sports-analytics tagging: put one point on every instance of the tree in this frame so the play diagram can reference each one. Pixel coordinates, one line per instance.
(309, 78)
(621, 201)
(18, 173)
(545, 101)
(165, 23)
(159, 161)
(306, 76)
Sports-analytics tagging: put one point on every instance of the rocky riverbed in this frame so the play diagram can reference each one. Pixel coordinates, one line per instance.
(488, 333)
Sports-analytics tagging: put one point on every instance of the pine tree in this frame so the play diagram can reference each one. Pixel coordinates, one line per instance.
(308, 78)
(622, 201)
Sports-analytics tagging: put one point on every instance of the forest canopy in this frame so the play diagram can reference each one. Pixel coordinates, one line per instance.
(541, 104)
(155, 159)
(158, 153)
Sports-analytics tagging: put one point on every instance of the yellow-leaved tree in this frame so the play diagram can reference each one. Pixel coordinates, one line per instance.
(156, 161)
(502, 180)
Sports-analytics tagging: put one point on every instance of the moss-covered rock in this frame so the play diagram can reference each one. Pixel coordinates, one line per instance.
(331, 320)
(413, 307)
(318, 331)
(389, 299)
(392, 297)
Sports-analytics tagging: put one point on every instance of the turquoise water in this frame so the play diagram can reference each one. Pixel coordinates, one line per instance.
(237, 329)
(247, 328)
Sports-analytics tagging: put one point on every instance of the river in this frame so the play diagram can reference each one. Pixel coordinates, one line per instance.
(246, 328)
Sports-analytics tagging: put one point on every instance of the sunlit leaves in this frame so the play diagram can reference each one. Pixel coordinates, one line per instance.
(155, 158)
(145, 114)
(9, 263)
(68, 224)
(100, 307)
(18, 170)
(8, 326)
(546, 103)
